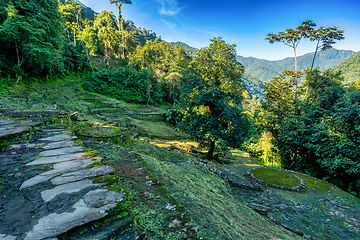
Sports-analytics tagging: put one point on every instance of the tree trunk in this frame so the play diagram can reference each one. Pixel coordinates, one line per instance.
(296, 77)
(119, 16)
(211, 150)
(312, 66)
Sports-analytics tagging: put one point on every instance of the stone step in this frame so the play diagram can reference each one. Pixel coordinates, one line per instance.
(61, 144)
(91, 207)
(58, 169)
(48, 195)
(57, 159)
(61, 151)
(58, 138)
(82, 174)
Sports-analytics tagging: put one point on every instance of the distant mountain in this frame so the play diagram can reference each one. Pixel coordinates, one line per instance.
(253, 86)
(189, 50)
(350, 68)
(259, 68)
(265, 69)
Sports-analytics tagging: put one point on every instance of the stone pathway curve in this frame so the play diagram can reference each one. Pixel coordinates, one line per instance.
(66, 173)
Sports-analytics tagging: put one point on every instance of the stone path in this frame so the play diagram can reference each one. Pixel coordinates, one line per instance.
(66, 173)
(11, 127)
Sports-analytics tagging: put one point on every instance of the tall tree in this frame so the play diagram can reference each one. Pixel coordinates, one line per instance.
(168, 63)
(121, 22)
(105, 24)
(119, 5)
(292, 37)
(212, 98)
(324, 38)
(73, 15)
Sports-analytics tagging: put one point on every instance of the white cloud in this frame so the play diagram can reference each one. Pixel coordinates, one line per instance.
(169, 7)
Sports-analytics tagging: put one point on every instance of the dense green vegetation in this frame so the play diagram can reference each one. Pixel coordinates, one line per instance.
(295, 120)
(350, 68)
(126, 84)
(31, 39)
(317, 135)
(189, 50)
(211, 98)
(309, 126)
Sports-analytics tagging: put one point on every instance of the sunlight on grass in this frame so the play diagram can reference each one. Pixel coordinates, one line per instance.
(161, 145)
(239, 153)
(251, 165)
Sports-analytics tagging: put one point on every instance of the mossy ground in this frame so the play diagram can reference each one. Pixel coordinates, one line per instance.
(276, 177)
(101, 131)
(171, 187)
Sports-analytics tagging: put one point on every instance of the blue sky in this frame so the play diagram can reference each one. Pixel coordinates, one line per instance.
(244, 22)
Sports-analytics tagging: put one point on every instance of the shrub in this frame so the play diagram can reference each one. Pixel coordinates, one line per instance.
(126, 84)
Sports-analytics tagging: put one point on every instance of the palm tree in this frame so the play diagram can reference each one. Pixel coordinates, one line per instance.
(119, 4)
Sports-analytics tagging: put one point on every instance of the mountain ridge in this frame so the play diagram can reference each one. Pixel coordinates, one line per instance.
(350, 68)
(264, 69)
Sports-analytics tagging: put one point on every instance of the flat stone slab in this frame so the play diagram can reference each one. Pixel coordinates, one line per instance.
(82, 174)
(13, 126)
(14, 130)
(57, 159)
(7, 237)
(34, 181)
(92, 207)
(59, 168)
(34, 145)
(48, 195)
(58, 138)
(69, 166)
(61, 144)
(61, 151)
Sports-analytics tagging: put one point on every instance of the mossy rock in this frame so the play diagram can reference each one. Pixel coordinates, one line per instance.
(101, 132)
(277, 178)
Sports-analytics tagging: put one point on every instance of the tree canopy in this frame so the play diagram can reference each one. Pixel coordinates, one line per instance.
(30, 36)
(211, 98)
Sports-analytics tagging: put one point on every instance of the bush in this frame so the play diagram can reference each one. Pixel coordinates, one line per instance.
(262, 148)
(126, 84)
(75, 58)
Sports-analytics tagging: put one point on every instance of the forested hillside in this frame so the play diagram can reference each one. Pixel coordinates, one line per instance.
(265, 69)
(153, 140)
(188, 49)
(350, 68)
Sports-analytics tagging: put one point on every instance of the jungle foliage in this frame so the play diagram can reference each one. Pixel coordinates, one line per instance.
(308, 121)
(318, 135)
(126, 84)
(211, 98)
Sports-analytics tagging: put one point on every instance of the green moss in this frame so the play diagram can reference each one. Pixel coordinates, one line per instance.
(2, 110)
(120, 206)
(95, 164)
(276, 176)
(101, 132)
(78, 143)
(90, 154)
(4, 143)
(316, 185)
(210, 204)
(62, 120)
(109, 179)
(123, 140)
